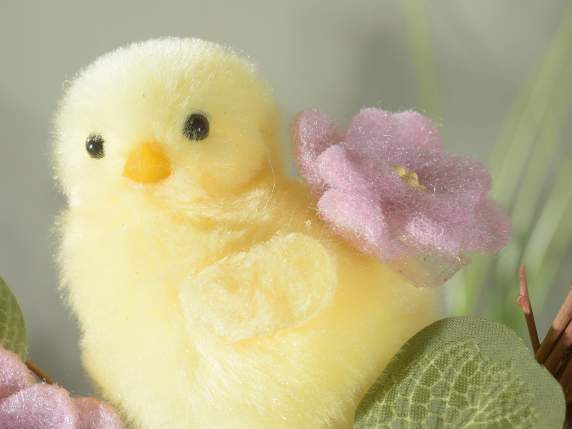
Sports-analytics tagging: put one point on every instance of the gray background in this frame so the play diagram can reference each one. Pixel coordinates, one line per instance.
(336, 55)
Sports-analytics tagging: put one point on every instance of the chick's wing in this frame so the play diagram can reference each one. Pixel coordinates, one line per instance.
(275, 285)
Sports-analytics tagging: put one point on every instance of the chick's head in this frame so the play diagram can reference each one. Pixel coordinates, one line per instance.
(179, 119)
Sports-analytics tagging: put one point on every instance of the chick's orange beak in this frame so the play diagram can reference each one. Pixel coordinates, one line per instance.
(147, 164)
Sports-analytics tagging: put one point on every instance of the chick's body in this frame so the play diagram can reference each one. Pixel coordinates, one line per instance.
(209, 294)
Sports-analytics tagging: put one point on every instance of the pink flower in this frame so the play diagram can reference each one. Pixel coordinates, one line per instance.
(25, 404)
(387, 186)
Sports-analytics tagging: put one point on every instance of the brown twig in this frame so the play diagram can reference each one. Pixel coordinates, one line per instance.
(560, 355)
(565, 379)
(555, 351)
(524, 303)
(38, 372)
(558, 326)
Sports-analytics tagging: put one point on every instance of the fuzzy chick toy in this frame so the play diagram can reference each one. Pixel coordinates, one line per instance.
(209, 292)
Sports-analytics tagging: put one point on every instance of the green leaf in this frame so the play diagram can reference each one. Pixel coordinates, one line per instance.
(463, 373)
(12, 326)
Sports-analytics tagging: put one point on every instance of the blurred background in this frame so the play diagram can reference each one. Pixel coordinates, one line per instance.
(495, 74)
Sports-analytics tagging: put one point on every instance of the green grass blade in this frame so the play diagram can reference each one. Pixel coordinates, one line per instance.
(520, 131)
(420, 41)
(540, 110)
(551, 234)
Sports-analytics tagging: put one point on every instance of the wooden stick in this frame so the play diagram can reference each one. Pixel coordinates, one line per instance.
(39, 373)
(524, 303)
(568, 421)
(565, 380)
(560, 354)
(558, 326)
(568, 393)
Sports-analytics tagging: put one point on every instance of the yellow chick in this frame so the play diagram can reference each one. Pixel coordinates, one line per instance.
(208, 292)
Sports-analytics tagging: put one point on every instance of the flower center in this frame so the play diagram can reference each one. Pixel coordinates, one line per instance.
(409, 177)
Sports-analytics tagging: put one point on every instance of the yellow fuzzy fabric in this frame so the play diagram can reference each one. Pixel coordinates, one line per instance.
(214, 298)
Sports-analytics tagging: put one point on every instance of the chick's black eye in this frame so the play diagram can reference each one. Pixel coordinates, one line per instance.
(95, 146)
(196, 127)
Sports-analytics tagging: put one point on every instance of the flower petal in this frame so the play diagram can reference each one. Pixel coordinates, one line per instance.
(394, 138)
(356, 218)
(442, 173)
(492, 230)
(370, 134)
(14, 375)
(338, 171)
(430, 236)
(312, 133)
(415, 130)
(94, 414)
(40, 407)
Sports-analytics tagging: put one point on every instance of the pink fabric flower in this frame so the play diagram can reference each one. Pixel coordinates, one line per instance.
(387, 186)
(25, 404)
